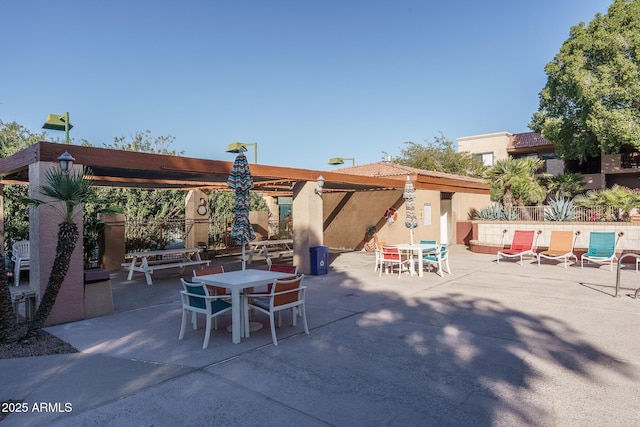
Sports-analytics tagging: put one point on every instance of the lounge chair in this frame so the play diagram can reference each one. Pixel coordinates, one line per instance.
(602, 248)
(560, 247)
(521, 245)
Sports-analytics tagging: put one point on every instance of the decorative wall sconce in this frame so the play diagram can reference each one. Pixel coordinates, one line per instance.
(66, 161)
(320, 182)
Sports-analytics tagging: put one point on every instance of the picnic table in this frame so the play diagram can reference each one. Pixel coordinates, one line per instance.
(148, 261)
(268, 249)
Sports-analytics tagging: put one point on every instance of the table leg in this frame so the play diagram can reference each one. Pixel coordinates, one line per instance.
(235, 315)
(147, 272)
(420, 264)
(133, 263)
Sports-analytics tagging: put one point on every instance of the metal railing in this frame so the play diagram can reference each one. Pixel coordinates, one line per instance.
(536, 213)
(144, 234)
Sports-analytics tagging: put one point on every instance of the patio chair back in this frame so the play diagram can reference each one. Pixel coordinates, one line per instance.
(287, 293)
(561, 242)
(284, 268)
(522, 240)
(214, 290)
(602, 243)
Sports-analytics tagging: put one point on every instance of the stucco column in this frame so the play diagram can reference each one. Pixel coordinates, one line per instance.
(307, 223)
(196, 209)
(43, 238)
(112, 241)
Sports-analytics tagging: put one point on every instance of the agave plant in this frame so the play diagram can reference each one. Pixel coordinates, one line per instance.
(491, 213)
(509, 214)
(560, 210)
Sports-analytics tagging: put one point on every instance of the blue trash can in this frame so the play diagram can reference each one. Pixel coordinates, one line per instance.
(319, 259)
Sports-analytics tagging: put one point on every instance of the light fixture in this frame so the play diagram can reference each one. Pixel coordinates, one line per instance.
(236, 147)
(340, 160)
(66, 161)
(320, 182)
(57, 122)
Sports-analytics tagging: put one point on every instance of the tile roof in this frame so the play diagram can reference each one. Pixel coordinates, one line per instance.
(390, 169)
(527, 140)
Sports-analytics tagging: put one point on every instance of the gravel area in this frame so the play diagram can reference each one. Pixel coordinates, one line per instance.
(45, 345)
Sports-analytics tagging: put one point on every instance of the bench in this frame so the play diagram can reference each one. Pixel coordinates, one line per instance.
(148, 262)
(268, 249)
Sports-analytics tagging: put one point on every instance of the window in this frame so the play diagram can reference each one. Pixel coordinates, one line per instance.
(485, 158)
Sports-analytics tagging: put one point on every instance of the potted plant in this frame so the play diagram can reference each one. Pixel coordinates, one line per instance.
(369, 241)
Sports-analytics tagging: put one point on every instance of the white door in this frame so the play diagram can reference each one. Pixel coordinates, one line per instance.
(445, 217)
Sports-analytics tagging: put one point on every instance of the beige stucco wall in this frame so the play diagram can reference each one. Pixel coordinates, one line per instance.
(307, 223)
(347, 215)
(495, 143)
(463, 203)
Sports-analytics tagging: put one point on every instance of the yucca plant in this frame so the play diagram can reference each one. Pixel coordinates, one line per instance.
(560, 210)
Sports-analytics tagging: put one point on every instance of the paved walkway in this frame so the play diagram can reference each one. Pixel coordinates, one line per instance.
(490, 345)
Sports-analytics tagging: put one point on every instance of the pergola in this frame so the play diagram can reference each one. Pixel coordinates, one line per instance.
(127, 169)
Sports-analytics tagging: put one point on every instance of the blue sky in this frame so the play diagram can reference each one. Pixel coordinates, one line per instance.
(306, 80)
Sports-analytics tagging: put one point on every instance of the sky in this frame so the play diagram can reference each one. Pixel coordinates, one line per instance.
(307, 80)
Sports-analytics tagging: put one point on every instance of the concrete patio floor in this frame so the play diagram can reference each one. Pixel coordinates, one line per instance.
(489, 345)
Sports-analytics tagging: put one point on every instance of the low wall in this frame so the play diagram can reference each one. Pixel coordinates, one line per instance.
(495, 235)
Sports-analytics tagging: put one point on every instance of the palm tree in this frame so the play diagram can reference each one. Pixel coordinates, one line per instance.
(513, 181)
(67, 191)
(7, 315)
(565, 185)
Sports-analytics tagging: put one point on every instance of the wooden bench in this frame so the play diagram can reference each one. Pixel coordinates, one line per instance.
(268, 249)
(148, 262)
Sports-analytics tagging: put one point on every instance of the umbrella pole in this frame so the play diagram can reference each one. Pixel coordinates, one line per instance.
(243, 261)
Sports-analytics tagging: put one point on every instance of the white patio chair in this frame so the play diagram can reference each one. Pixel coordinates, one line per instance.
(196, 299)
(20, 258)
(285, 294)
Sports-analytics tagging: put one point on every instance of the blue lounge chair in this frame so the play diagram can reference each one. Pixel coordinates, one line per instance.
(602, 248)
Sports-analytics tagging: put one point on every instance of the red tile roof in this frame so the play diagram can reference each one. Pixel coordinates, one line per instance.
(393, 169)
(520, 141)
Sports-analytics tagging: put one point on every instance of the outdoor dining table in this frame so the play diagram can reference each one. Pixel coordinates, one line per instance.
(418, 249)
(236, 282)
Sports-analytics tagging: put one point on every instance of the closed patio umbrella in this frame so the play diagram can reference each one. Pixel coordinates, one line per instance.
(409, 195)
(241, 182)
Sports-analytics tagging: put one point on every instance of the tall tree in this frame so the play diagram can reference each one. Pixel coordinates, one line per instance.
(591, 102)
(440, 155)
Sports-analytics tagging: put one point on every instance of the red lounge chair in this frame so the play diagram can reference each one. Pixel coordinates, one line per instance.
(522, 245)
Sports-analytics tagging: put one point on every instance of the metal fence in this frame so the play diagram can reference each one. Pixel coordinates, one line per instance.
(536, 213)
(143, 234)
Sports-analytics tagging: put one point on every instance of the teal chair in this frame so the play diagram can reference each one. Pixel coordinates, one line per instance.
(428, 242)
(438, 258)
(196, 300)
(602, 248)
